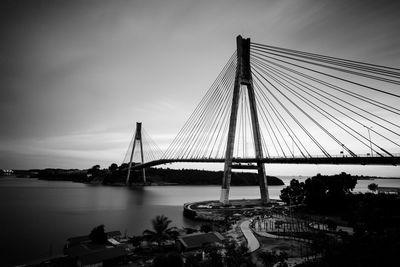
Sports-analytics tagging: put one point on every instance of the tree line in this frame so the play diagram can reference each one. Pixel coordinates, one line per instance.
(117, 174)
(375, 219)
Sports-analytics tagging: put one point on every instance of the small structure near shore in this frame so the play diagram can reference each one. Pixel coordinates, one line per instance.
(84, 252)
(389, 190)
(198, 240)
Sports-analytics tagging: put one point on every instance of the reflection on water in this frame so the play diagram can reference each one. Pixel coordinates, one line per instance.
(38, 216)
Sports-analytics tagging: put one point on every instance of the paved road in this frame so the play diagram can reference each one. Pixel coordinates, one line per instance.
(252, 242)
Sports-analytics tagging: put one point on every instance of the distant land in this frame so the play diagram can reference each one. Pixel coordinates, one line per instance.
(156, 176)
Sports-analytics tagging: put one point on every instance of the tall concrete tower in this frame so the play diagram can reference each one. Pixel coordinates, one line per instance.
(243, 79)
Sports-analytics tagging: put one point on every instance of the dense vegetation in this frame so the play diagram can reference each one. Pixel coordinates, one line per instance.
(321, 193)
(74, 175)
(117, 174)
(375, 219)
(200, 177)
(187, 177)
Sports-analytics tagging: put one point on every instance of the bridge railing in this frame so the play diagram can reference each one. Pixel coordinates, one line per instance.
(367, 155)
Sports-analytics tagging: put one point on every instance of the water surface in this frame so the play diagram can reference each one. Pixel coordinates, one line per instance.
(38, 216)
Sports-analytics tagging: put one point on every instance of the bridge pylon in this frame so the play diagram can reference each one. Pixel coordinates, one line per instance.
(137, 138)
(243, 77)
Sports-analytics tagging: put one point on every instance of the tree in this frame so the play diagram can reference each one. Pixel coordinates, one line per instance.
(172, 259)
(268, 258)
(235, 255)
(189, 230)
(215, 256)
(94, 171)
(161, 228)
(373, 187)
(294, 193)
(328, 192)
(123, 166)
(193, 260)
(135, 240)
(96, 167)
(206, 228)
(332, 225)
(97, 235)
(113, 167)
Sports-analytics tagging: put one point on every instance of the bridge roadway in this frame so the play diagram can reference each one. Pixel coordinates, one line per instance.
(395, 160)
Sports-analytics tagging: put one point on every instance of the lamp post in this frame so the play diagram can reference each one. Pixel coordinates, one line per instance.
(293, 147)
(369, 135)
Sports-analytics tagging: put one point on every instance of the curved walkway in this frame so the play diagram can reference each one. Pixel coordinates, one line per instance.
(252, 242)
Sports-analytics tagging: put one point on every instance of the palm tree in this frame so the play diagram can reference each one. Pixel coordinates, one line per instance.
(162, 231)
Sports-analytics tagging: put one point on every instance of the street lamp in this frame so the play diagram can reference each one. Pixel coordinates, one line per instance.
(369, 135)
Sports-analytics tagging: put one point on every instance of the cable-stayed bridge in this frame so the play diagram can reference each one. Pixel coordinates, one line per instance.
(276, 105)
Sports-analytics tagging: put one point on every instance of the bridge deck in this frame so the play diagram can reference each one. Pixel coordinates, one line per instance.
(312, 160)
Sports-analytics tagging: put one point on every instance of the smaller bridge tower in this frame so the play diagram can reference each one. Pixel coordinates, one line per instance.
(137, 139)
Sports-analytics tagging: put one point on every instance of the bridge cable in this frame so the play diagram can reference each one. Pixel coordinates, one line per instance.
(314, 106)
(318, 89)
(288, 112)
(175, 147)
(282, 121)
(342, 63)
(188, 125)
(194, 134)
(285, 55)
(293, 117)
(355, 106)
(301, 83)
(337, 88)
(315, 122)
(329, 75)
(214, 119)
(272, 129)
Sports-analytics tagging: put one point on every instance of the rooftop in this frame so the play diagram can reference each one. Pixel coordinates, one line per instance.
(101, 255)
(85, 239)
(198, 240)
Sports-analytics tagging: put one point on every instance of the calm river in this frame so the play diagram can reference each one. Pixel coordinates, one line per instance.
(38, 216)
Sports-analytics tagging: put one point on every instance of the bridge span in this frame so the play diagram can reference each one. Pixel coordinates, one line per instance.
(339, 160)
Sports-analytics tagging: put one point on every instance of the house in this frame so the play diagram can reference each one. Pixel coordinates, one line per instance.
(74, 241)
(88, 254)
(6, 172)
(114, 234)
(198, 240)
(107, 256)
(389, 190)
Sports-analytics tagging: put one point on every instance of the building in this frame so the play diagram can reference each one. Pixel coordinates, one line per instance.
(389, 190)
(198, 240)
(107, 256)
(88, 254)
(6, 172)
(78, 240)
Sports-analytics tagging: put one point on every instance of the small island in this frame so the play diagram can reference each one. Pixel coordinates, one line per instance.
(116, 175)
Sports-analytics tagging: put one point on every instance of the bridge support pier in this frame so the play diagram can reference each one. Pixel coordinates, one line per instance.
(243, 78)
(138, 137)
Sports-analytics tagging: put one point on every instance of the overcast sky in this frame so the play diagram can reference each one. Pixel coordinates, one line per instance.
(77, 75)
